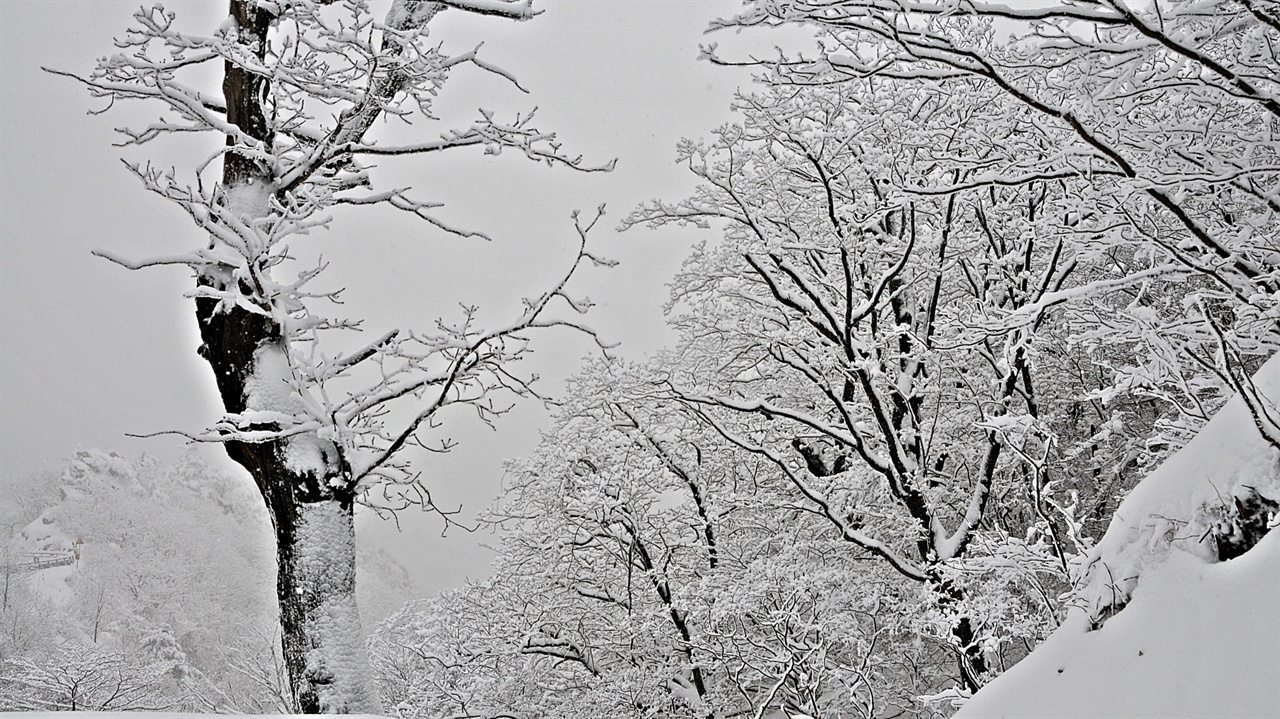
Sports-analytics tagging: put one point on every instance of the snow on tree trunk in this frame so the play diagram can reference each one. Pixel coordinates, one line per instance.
(323, 600)
(311, 505)
(308, 494)
(307, 488)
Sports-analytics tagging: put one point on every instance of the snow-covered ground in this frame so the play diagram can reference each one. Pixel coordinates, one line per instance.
(1197, 640)
(1187, 635)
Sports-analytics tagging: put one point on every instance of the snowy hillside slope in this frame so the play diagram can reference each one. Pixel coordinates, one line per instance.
(41, 539)
(1161, 626)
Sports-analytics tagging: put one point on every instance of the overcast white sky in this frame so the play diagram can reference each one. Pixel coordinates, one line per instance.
(90, 352)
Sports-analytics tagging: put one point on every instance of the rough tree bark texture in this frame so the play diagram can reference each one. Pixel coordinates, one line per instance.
(306, 485)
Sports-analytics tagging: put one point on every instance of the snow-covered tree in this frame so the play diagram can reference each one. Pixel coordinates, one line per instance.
(650, 568)
(304, 86)
(856, 331)
(931, 219)
(981, 266)
(1166, 114)
(82, 677)
(582, 614)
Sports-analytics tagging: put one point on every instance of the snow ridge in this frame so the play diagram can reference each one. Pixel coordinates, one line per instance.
(1197, 636)
(1181, 505)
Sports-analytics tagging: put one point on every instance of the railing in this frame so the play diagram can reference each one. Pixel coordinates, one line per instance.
(33, 561)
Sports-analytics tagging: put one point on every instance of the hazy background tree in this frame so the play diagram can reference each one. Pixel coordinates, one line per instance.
(163, 587)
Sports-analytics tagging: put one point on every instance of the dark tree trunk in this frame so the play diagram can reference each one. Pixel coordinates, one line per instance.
(969, 657)
(312, 514)
(310, 500)
(310, 586)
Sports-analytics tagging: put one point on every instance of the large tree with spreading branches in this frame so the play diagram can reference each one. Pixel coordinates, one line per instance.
(305, 85)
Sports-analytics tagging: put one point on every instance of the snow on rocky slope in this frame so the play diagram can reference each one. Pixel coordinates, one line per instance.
(1173, 617)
